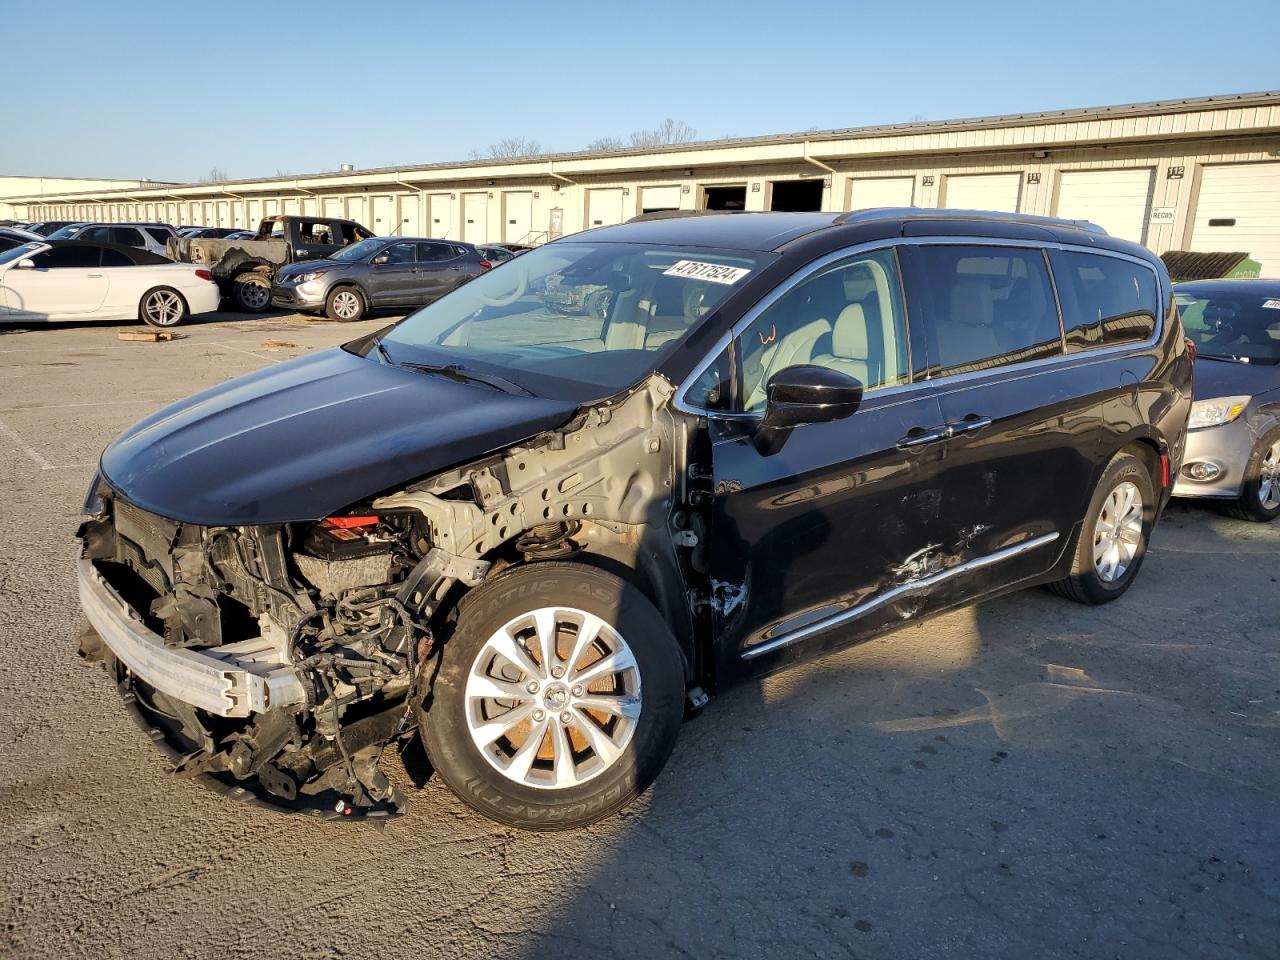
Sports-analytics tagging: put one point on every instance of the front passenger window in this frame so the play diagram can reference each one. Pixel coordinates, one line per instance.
(847, 316)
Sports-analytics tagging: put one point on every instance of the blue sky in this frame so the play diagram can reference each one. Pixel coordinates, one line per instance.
(169, 90)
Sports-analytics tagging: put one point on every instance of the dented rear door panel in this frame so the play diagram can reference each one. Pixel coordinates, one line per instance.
(822, 526)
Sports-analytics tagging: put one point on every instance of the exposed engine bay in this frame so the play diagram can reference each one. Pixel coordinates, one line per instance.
(282, 660)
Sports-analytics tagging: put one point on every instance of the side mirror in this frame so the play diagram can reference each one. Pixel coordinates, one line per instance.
(380, 259)
(804, 394)
(26, 263)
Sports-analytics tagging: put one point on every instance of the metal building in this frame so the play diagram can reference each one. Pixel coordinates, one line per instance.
(1201, 174)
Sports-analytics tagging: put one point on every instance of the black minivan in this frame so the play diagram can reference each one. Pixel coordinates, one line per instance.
(541, 519)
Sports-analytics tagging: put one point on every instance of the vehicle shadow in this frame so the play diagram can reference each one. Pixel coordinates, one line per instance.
(1022, 778)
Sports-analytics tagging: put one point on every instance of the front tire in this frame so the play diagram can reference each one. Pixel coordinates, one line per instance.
(558, 698)
(162, 307)
(1260, 493)
(345, 304)
(251, 292)
(1113, 539)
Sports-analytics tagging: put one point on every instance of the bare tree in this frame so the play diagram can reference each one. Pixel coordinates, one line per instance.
(605, 144)
(216, 175)
(665, 134)
(508, 148)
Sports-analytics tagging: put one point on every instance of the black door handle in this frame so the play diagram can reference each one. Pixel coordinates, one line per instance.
(919, 437)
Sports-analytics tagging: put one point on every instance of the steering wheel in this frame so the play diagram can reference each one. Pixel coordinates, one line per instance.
(522, 284)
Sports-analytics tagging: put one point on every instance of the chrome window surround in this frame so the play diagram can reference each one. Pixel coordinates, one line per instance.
(1079, 358)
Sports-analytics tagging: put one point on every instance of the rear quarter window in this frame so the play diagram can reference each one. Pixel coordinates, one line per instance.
(1105, 300)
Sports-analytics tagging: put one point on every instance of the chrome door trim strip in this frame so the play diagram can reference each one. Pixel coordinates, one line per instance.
(889, 596)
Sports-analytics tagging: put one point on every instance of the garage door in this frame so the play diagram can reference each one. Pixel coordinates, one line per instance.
(409, 225)
(384, 217)
(881, 192)
(604, 207)
(440, 210)
(517, 216)
(333, 207)
(1119, 201)
(358, 211)
(986, 191)
(475, 217)
(653, 199)
(1239, 212)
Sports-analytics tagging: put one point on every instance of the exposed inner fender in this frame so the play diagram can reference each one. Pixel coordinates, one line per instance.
(618, 466)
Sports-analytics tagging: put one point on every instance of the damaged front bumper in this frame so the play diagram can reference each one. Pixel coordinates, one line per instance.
(229, 681)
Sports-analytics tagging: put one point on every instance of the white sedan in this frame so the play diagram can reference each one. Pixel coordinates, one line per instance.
(70, 280)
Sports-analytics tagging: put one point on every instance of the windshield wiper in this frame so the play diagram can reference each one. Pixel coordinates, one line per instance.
(382, 351)
(1224, 359)
(455, 371)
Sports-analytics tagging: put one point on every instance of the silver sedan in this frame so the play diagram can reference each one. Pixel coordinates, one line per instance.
(1233, 447)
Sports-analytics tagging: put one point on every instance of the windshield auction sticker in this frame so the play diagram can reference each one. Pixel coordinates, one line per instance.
(713, 272)
(1271, 305)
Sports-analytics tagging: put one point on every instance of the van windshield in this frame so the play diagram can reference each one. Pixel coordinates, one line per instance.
(573, 317)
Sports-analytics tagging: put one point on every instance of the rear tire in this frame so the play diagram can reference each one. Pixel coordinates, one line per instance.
(345, 304)
(1113, 538)
(162, 307)
(560, 748)
(251, 292)
(1260, 492)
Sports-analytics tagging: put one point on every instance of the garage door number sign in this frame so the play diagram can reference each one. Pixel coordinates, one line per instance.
(713, 272)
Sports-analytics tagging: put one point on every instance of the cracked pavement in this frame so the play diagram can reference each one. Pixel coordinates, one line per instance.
(1029, 778)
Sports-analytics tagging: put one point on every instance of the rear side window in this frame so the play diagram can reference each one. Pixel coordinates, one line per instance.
(114, 258)
(68, 257)
(435, 252)
(986, 307)
(1105, 300)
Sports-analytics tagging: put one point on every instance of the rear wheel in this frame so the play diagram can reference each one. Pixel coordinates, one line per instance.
(251, 292)
(1260, 493)
(558, 698)
(1112, 541)
(344, 304)
(162, 307)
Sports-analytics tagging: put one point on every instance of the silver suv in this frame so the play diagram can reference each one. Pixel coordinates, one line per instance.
(143, 236)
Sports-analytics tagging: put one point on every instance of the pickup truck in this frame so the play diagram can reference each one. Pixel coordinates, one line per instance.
(244, 269)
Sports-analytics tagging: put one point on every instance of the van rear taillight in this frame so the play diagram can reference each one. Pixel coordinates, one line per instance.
(204, 275)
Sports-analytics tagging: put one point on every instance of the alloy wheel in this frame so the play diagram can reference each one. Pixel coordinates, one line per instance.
(1118, 531)
(346, 304)
(553, 698)
(1269, 478)
(163, 308)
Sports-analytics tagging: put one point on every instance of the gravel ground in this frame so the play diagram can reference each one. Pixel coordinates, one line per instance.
(1025, 779)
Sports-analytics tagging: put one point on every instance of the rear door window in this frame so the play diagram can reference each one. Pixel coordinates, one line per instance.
(159, 235)
(128, 236)
(985, 307)
(436, 252)
(1105, 300)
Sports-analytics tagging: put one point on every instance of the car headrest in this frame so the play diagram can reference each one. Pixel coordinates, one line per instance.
(971, 303)
(849, 335)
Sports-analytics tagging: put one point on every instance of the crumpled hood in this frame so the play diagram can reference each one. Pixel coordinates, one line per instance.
(304, 439)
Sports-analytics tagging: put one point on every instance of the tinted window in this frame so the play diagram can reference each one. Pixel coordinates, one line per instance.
(159, 234)
(435, 252)
(987, 307)
(114, 258)
(128, 236)
(399, 253)
(1105, 300)
(847, 316)
(1239, 323)
(98, 234)
(67, 257)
